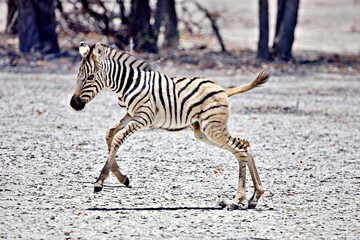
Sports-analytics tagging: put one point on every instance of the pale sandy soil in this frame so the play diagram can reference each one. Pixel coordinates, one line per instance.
(304, 128)
(304, 131)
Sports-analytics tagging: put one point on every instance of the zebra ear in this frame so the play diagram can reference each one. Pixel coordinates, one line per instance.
(98, 52)
(84, 49)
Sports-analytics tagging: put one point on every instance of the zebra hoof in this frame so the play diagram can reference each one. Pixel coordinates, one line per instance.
(253, 201)
(230, 205)
(235, 206)
(224, 203)
(97, 188)
(252, 204)
(126, 181)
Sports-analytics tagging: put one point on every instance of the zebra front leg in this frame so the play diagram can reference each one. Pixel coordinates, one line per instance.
(131, 127)
(122, 178)
(110, 133)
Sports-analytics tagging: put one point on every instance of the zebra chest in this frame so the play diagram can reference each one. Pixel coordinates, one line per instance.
(121, 102)
(137, 104)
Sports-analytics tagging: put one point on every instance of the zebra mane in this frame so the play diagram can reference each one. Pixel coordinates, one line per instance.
(112, 53)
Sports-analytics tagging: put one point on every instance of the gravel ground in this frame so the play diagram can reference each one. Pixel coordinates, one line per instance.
(304, 130)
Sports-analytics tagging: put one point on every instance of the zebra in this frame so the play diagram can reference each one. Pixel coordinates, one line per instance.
(172, 103)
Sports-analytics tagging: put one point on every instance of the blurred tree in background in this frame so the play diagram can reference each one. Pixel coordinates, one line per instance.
(166, 16)
(34, 22)
(36, 25)
(286, 20)
(141, 30)
(133, 22)
(287, 12)
(263, 44)
(11, 18)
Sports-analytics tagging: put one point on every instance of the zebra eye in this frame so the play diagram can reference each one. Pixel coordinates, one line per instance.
(90, 77)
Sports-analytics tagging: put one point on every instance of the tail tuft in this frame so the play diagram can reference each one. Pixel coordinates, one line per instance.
(262, 78)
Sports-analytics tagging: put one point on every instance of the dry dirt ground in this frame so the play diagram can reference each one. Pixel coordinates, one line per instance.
(304, 127)
(304, 130)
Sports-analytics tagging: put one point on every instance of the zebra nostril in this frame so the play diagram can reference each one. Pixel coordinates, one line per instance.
(76, 103)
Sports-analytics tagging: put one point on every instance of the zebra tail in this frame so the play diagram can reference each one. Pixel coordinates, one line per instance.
(257, 82)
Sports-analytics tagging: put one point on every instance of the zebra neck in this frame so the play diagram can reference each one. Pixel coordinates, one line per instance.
(120, 76)
(123, 71)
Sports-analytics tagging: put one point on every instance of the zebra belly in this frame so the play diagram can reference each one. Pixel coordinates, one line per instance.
(164, 121)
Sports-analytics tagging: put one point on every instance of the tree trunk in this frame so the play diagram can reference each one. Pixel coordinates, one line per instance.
(279, 17)
(160, 14)
(166, 15)
(140, 28)
(171, 21)
(285, 28)
(36, 26)
(122, 36)
(263, 44)
(214, 26)
(11, 19)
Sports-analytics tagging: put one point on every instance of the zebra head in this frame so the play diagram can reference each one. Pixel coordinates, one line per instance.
(90, 79)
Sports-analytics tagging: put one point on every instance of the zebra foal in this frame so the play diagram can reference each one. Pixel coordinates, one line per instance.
(172, 103)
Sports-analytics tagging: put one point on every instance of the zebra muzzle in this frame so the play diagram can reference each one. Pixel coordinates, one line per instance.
(77, 103)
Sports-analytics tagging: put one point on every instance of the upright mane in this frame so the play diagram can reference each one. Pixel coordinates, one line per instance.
(112, 52)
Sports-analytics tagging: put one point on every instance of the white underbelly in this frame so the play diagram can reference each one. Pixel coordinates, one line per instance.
(163, 120)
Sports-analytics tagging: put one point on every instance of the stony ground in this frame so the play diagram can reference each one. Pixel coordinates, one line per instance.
(304, 127)
(305, 133)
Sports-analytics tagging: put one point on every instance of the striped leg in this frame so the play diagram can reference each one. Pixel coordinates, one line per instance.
(135, 124)
(111, 132)
(258, 189)
(245, 158)
(218, 135)
(235, 145)
(199, 135)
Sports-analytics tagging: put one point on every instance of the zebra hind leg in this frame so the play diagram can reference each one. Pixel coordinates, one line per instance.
(245, 158)
(258, 189)
(241, 150)
(199, 135)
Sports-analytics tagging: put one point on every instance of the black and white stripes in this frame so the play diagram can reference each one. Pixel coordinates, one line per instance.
(155, 99)
(172, 100)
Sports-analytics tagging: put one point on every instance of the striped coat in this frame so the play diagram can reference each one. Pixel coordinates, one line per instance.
(173, 103)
